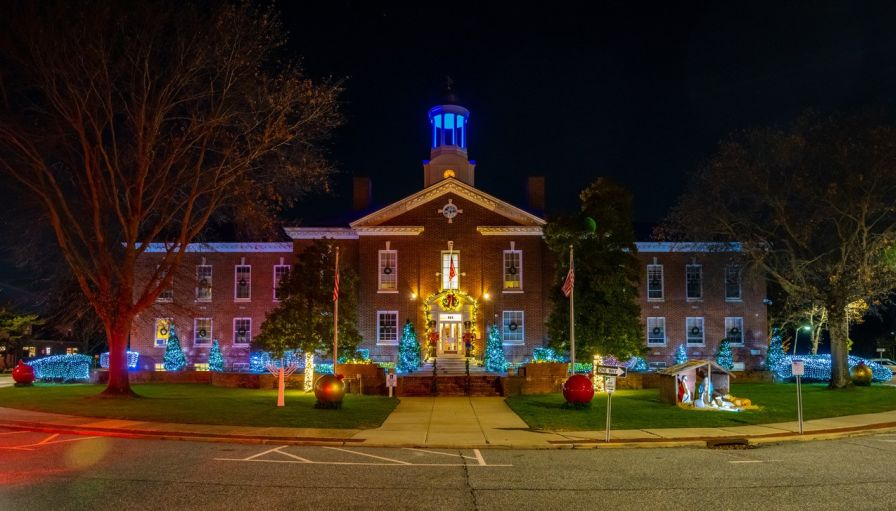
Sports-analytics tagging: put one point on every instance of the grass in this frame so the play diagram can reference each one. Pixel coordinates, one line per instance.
(642, 409)
(201, 404)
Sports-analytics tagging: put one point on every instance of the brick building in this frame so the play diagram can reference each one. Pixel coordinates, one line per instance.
(452, 259)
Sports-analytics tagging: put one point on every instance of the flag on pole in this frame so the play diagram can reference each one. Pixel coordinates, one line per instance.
(570, 279)
(336, 287)
(452, 272)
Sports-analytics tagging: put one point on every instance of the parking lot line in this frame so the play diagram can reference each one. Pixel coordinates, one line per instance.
(370, 455)
(385, 461)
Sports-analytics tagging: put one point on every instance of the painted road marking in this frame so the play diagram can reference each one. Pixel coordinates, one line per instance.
(386, 462)
(753, 461)
(46, 441)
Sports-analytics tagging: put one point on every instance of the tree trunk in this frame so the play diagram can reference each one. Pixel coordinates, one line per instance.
(119, 384)
(838, 327)
(281, 385)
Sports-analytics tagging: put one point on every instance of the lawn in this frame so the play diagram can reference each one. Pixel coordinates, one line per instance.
(201, 404)
(642, 409)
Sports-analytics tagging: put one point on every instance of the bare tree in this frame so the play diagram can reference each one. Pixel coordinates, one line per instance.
(813, 206)
(132, 123)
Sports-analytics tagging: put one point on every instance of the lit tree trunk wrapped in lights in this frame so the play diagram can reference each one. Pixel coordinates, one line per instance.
(308, 384)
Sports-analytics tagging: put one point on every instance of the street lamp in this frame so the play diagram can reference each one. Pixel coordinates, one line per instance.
(796, 336)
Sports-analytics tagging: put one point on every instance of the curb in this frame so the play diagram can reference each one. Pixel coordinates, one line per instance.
(647, 442)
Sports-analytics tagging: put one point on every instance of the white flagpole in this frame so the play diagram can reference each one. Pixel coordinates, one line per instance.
(572, 324)
(336, 317)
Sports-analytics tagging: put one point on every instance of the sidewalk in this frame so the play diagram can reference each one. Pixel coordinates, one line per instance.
(450, 422)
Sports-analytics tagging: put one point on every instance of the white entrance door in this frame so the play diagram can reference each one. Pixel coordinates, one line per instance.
(451, 334)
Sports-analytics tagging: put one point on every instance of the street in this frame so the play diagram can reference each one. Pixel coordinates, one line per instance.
(42, 471)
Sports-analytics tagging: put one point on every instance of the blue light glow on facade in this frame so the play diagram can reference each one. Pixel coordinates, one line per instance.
(449, 128)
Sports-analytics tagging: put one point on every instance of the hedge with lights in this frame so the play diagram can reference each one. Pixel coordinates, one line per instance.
(133, 357)
(818, 368)
(62, 368)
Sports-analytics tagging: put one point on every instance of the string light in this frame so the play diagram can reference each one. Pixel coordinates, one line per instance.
(309, 372)
(133, 357)
(64, 368)
(494, 352)
(408, 350)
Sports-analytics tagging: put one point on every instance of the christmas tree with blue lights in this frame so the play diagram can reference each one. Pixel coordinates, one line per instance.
(681, 354)
(215, 358)
(494, 352)
(408, 350)
(174, 355)
(724, 357)
(775, 350)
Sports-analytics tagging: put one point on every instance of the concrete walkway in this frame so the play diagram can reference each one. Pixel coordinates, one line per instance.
(449, 422)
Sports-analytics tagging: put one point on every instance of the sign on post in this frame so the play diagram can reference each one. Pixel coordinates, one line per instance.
(798, 369)
(391, 382)
(610, 384)
(617, 371)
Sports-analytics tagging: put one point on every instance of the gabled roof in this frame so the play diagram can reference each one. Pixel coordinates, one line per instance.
(691, 364)
(446, 186)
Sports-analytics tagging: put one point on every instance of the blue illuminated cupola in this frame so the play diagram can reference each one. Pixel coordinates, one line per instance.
(448, 139)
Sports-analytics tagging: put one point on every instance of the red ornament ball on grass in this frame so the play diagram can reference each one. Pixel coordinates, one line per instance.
(329, 389)
(578, 390)
(23, 374)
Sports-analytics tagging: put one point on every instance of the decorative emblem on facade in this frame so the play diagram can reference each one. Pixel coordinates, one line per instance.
(450, 211)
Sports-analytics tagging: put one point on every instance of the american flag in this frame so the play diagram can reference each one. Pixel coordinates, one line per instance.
(570, 278)
(336, 287)
(452, 272)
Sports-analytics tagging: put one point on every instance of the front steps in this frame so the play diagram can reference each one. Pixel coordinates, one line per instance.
(478, 385)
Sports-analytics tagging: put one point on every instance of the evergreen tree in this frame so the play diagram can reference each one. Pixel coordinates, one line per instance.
(215, 358)
(494, 351)
(724, 356)
(408, 350)
(607, 275)
(775, 350)
(174, 355)
(681, 354)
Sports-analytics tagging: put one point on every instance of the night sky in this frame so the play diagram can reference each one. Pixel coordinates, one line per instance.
(638, 93)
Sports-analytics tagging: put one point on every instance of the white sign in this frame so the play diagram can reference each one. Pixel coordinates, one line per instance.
(392, 380)
(611, 371)
(610, 384)
(797, 368)
(450, 318)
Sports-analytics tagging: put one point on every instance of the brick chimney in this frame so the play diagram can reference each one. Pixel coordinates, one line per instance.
(535, 193)
(362, 193)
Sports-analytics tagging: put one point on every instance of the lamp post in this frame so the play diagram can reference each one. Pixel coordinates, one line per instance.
(796, 336)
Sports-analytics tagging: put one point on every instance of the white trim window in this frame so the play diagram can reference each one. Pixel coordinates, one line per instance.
(694, 331)
(387, 328)
(654, 281)
(204, 283)
(242, 283)
(162, 332)
(693, 281)
(734, 330)
(513, 327)
(202, 331)
(388, 271)
(656, 331)
(242, 331)
(513, 270)
(281, 271)
(447, 258)
(733, 283)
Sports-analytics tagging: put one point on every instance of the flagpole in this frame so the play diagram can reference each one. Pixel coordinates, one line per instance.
(572, 323)
(336, 315)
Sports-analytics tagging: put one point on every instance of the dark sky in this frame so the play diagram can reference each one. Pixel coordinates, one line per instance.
(638, 93)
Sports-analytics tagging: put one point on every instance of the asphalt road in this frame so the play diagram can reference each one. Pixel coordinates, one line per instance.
(42, 471)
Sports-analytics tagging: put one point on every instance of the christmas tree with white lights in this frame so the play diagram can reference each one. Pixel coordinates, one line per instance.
(494, 352)
(681, 354)
(174, 355)
(408, 350)
(724, 357)
(215, 358)
(775, 350)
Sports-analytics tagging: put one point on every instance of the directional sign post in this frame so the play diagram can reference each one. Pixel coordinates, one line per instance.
(612, 371)
(798, 368)
(610, 387)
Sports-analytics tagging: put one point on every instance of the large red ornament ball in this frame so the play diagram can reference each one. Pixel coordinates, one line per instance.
(23, 374)
(329, 389)
(578, 390)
